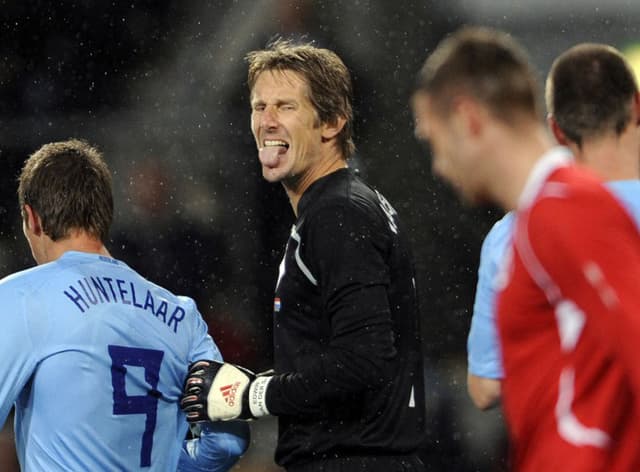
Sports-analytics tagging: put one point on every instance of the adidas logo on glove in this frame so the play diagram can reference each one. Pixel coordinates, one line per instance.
(229, 393)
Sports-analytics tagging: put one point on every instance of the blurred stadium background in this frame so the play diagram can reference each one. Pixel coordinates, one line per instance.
(160, 87)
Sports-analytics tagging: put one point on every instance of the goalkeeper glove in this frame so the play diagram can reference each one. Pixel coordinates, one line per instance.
(220, 391)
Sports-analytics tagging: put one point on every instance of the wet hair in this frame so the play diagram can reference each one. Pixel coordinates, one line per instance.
(68, 185)
(329, 82)
(589, 91)
(485, 64)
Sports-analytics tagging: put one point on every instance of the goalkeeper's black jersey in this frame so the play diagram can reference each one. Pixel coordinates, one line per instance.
(346, 329)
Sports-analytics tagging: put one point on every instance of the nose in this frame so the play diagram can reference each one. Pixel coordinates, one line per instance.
(268, 119)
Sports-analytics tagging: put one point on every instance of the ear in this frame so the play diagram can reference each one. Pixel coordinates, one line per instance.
(32, 220)
(331, 130)
(561, 138)
(473, 116)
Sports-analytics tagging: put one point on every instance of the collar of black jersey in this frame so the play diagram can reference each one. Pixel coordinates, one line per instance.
(318, 186)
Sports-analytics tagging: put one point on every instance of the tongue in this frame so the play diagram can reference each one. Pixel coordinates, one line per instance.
(269, 155)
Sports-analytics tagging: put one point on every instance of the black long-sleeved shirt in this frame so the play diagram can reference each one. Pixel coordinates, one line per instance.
(348, 360)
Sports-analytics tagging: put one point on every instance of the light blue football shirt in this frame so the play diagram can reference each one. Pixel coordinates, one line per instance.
(483, 349)
(94, 357)
(482, 343)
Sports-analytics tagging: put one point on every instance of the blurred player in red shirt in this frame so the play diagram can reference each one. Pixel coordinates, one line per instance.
(568, 311)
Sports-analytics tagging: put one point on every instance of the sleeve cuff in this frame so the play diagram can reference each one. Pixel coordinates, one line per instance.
(258, 396)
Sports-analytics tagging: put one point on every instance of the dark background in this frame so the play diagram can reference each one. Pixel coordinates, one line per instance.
(160, 87)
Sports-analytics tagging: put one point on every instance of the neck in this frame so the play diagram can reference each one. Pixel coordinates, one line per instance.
(296, 187)
(516, 156)
(613, 157)
(77, 241)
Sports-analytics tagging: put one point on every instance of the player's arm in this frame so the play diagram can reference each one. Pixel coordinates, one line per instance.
(484, 392)
(216, 447)
(360, 350)
(483, 351)
(216, 390)
(345, 250)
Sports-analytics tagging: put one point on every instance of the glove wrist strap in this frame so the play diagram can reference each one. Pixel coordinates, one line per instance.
(258, 396)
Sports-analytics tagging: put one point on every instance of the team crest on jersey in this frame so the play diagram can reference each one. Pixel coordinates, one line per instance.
(277, 304)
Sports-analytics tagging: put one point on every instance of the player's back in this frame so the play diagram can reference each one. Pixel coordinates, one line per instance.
(569, 389)
(106, 354)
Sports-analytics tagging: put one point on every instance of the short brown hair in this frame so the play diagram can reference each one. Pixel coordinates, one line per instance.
(68, 185)
(589, 91)
(327, 77)
(486, 64)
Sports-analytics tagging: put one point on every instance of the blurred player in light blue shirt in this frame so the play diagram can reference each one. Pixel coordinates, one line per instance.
(93, 355)
(484, 351)
(593, 105)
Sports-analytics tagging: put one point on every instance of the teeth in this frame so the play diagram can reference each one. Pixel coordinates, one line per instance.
(275, 142)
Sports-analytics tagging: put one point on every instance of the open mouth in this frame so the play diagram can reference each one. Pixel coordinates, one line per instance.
(276, 142)
(271, 151)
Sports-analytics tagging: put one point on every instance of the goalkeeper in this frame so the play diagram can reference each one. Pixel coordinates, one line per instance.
(348, 382)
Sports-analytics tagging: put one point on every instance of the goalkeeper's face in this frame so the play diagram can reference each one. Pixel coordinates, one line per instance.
(285, 125)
